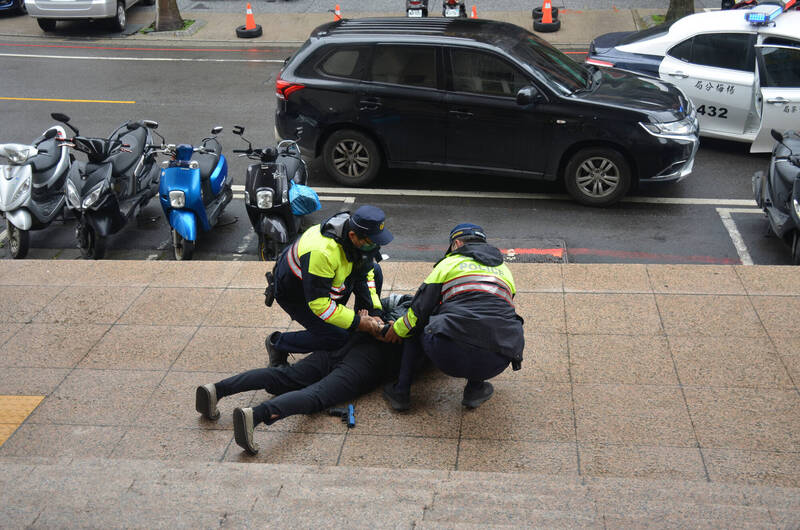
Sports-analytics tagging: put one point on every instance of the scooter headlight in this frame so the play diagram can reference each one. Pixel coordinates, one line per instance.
(72, 195)
(177, 199)
(23, 190)
(264, 199)
(94, 195)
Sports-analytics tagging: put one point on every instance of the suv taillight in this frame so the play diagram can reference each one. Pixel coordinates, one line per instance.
(283, 89)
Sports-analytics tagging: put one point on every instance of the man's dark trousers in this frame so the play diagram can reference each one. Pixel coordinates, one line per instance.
(319, 335)
(318, 381)
(454, 358)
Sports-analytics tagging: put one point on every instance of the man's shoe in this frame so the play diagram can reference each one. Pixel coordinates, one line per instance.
(475, 395)
(243, 429)
(276, 358)
(205, 401)
(399, 401)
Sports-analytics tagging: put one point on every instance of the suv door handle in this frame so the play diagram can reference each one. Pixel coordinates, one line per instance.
(370, 104)
(778, 100)
(679, 74)
(462, 114)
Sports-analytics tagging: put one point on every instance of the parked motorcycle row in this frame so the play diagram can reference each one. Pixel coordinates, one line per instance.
(121, 174)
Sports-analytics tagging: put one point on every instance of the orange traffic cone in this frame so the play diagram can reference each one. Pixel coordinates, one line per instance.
(250, 29)
(474, 12)
(547, 12)
(337, 14)
(249, 19)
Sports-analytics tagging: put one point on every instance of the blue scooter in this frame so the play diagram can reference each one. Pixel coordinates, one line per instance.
(194, 189)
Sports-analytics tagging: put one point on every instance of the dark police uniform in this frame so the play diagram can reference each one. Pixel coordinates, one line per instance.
(463, 316)
(315, 276)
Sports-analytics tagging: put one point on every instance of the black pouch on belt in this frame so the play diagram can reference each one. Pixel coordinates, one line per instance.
(269, 292)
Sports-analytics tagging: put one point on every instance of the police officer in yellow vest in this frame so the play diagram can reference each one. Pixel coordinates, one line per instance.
(462, 318)
(315, 276)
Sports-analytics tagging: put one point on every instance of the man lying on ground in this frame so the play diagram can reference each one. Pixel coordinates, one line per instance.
(320, 380)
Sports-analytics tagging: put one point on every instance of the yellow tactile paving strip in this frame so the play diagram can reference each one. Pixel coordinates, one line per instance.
(13, 411)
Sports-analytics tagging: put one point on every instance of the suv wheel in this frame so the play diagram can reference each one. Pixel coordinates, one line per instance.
(597, 176)
(351, 158)
(47, 24)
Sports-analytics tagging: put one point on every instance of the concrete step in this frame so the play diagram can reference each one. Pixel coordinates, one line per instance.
(91, 493)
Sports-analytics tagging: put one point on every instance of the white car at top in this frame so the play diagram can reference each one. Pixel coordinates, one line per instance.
(740, 67)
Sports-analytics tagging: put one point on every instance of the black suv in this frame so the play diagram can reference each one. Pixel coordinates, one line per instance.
(479, 96)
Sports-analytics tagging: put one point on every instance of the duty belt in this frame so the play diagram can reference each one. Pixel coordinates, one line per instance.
(477, 282)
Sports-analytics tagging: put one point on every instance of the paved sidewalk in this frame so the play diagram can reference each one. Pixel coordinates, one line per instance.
(579, 27)
(635, 372)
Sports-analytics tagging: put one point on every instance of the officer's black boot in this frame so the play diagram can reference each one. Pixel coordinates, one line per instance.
(476, 392)
(276, 357)
(399, 400)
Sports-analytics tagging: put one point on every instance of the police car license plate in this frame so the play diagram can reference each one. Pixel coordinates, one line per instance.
(415, 13)
(452, 12)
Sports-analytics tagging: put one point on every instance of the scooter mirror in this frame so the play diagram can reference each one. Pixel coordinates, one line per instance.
(150, 124)
(60, 117)
(216, 130)
(776, 135)
(238, 130)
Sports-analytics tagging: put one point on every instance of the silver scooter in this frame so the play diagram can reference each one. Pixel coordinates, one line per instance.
(32, 186)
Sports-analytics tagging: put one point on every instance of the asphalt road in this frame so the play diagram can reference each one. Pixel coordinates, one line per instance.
(189, 90)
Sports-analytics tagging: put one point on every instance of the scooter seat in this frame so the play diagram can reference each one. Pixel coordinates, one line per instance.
(208, 162)
(49, 154)
(122, 161)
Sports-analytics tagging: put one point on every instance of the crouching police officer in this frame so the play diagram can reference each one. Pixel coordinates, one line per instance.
(314, 278)
(462, 318)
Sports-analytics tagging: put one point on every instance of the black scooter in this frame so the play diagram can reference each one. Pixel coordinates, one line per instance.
(779, 192)
(266, 193)
(119, 179)
(416, 8)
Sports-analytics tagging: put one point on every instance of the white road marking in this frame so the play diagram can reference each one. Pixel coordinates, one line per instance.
(151, 59)
(152, 257)
(733, 232)
(533, 196)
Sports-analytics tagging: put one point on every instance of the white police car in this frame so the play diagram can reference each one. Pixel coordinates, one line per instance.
(741, 68)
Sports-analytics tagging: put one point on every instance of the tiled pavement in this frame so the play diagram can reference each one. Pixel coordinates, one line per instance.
(638, 374)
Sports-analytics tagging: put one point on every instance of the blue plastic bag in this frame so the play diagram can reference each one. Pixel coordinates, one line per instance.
(303, 199)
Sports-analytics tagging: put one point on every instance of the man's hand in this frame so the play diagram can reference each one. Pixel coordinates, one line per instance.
(368, 324)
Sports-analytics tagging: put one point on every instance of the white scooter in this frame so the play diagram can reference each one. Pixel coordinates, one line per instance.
(32, 186)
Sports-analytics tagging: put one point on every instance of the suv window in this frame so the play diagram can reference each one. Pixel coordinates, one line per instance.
(343, 62)
(483, 73)
(732, 51)
(404, 65)
(780, 66)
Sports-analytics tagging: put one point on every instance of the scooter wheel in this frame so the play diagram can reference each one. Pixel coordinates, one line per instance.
(243, 33)
(268, 249)
(18, 242)
(796, 248)
(91, 245)
(183, 248)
